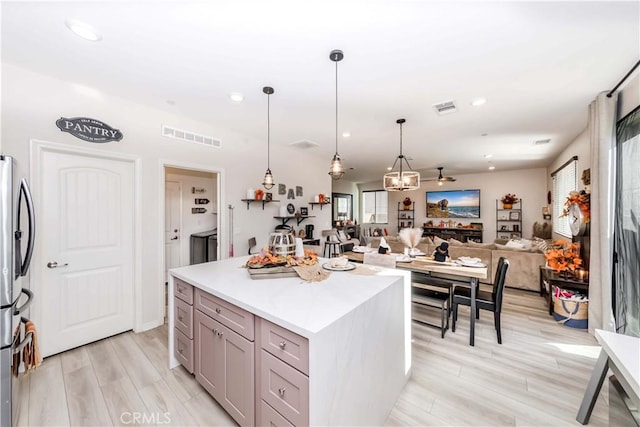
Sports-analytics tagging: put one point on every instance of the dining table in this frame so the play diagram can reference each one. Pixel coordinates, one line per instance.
(426, 270)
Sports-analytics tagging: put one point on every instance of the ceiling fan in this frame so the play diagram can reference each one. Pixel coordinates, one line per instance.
(440, 179)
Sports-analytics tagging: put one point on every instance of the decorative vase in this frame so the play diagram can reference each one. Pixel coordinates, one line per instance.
(507, 205)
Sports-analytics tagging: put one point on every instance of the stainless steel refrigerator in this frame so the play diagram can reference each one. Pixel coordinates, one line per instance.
(14, 198)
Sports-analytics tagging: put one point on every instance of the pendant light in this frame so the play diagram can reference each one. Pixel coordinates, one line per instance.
(268, 178)
(403, 180)
(336, 170)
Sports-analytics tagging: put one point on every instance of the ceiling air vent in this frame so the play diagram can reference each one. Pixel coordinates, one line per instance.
(446, 107)
(542, 142)
(185, 135)
(305, 143)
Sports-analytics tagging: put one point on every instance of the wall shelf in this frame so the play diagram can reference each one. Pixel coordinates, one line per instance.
(318, 203)
(406, 217)
(249, 201)
(298, 219)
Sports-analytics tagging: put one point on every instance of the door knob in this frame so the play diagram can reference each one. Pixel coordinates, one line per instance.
(54, 264)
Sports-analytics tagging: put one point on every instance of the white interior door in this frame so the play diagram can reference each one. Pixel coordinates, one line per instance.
(87, 239)
(172, 225)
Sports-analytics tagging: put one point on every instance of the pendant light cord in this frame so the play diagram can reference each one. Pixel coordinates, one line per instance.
(336, 107)
(268, 131)
(401, 156)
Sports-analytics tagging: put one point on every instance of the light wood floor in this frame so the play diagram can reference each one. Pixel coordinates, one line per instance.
(536, 377)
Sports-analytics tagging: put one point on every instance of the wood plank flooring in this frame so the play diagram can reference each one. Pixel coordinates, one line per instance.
(535, 378)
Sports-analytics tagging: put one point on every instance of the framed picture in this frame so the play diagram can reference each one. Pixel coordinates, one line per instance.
(503, 216)
(514, 216)
(304, 211)
(547, 217)
(503, 236)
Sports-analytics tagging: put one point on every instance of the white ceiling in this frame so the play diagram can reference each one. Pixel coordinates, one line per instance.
(539, 64)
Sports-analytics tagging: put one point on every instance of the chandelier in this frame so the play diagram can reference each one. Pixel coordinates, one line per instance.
(402, 180)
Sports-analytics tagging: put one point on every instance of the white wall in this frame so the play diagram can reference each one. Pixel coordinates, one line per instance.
(194, 223)
(31, 104)
(528, 184)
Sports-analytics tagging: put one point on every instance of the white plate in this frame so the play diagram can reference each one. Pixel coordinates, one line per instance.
(349, 266)
(469, 260)
(471, 264)
(403, 258)
(362, 249)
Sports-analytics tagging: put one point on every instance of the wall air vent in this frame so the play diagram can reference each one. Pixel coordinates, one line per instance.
(305, 143)
(185, 135)
(446, 107)
(542, 142)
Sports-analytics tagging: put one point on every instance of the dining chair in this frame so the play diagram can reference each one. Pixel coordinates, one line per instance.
(380, 260)
(490, 301)
(421, 296)
(331, 243)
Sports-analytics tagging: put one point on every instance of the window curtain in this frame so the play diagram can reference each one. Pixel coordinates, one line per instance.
(627, 227)
(602, 120)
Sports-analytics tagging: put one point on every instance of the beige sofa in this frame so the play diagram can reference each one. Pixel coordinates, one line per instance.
(524, 265)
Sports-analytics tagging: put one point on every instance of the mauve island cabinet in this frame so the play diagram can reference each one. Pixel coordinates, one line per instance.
(284, 352)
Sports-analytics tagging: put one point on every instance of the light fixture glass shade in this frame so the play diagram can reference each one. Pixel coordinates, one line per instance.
(336, 170)
(402, 181)
(267, 182)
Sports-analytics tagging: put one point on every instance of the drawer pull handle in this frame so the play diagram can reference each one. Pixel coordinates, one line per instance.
(218, 310)
(220, 334)
(281, 391)
(282, 345)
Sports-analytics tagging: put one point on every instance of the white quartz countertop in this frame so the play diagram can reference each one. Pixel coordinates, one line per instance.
(304, 308)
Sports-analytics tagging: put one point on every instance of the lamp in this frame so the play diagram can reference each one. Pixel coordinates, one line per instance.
(403, 179)
(267, 182)
(336, 170)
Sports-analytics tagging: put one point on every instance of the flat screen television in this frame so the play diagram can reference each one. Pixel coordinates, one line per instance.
(453, 204)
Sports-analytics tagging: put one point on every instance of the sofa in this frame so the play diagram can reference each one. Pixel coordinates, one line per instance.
(524, 264)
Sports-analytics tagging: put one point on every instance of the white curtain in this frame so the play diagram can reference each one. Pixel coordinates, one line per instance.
(602, 121)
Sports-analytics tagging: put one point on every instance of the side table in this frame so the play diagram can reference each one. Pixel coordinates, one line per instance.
(549, 279)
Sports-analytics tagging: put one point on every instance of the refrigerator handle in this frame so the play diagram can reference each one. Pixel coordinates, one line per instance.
(22, 266)
(18, 310)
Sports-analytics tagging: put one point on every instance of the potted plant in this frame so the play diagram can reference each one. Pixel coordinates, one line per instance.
(508, 200)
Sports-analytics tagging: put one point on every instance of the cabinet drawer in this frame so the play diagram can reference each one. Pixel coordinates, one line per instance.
(285, 345)
(183, 317)
(285, 389)
(183, 349)
(270, 417)
(235, 318)
(183, 290)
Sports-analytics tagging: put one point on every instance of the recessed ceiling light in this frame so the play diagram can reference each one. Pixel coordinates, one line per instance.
(83, 30)
(488, 156)
(236, 97)
(491, 168)
(478, 102)
(346, 134)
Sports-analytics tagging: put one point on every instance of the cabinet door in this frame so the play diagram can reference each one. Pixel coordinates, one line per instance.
(225, 367)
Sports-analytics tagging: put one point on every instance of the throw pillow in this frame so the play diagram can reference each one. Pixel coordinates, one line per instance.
(510, 248)
(454, 242)
(541, 244)
(515, 244)
(437, 241)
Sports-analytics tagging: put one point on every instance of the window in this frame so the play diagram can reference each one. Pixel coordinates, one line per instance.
(375, 207)
(565, 180)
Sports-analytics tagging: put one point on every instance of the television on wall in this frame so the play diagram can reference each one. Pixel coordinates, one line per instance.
(453, 204)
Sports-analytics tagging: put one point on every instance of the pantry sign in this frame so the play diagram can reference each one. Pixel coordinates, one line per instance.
(90, 130)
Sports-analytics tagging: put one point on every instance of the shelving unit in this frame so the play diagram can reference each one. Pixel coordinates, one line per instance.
(461, 234)
(318, 203)
(298, 219)
(406, 217)
(508, 221)
(249, 201)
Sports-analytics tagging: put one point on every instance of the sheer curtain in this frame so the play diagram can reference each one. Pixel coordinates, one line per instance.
(627, 226)
(602, 118)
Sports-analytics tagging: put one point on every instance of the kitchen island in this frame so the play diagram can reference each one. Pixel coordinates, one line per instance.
(336, 352)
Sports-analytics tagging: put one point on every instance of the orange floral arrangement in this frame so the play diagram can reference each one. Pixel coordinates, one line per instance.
(563, 256)
(581, 199)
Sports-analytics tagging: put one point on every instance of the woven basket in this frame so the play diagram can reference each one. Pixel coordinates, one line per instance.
(574, 314)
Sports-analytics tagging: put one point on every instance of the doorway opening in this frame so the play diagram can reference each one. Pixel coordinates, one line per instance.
(191, 218)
